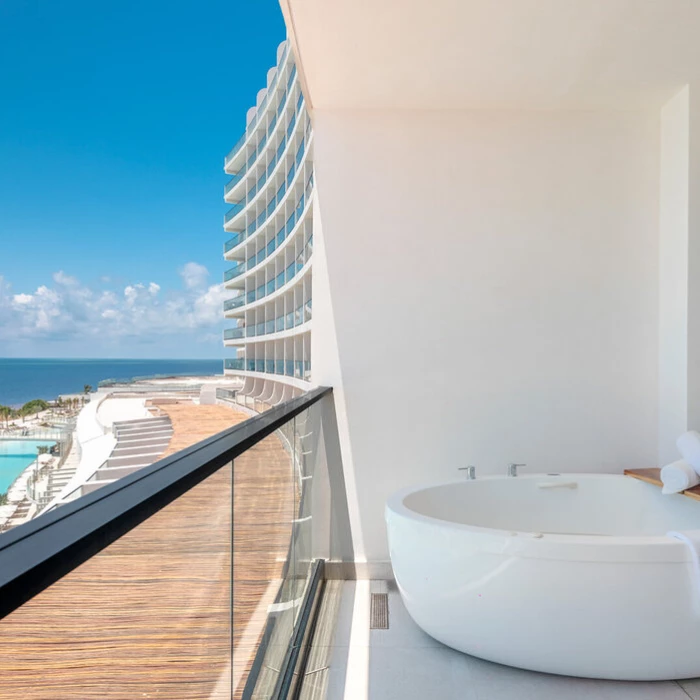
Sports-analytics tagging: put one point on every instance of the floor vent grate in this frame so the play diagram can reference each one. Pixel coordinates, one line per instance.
(379, 612)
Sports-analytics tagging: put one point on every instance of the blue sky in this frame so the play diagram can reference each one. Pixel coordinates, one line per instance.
(114, 122)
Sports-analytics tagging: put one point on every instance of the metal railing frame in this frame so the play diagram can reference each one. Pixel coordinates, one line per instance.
(36, 554)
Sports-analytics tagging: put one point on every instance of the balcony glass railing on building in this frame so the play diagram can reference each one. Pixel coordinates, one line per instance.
(279, 154)
(234, 333)
(261, 109)
(282, 278)
(131, 592)
(293, 319)
(278, 196)
(234, 303)
(235, 271)
(262, 145)
(297, 369)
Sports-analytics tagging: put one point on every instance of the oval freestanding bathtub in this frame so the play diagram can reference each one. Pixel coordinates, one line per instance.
(570, 574)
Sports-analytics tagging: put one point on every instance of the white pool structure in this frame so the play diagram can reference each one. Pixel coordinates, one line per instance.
(569, 574)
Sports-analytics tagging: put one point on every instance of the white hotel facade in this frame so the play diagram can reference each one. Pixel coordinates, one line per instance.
(270, 224)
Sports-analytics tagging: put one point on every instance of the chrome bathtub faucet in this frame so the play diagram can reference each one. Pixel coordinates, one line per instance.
(471, 472)
(513, 469)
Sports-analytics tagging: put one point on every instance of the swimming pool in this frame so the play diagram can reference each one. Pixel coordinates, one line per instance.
(15, 457)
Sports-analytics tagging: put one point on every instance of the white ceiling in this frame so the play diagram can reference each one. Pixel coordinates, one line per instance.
(456, 54)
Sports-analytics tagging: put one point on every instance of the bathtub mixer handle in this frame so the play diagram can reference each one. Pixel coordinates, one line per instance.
(471, 472)
(513, 469)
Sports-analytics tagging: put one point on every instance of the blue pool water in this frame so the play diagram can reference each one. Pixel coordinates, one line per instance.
(22, 380)
(15, 457)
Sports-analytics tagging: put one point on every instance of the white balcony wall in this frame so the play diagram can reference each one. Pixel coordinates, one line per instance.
(486, 291)
(673, 274)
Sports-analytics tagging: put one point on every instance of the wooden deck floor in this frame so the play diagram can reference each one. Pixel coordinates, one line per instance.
(150, 615)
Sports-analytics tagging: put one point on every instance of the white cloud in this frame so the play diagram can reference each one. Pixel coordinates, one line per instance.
(62, 278)
(68, 309)
(194, 275)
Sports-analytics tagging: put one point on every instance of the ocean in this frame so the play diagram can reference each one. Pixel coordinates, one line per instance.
(22, 380)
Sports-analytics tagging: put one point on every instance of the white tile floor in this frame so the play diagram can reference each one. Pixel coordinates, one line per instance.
(404, 663)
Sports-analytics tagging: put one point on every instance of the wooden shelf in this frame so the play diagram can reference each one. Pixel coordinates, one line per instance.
(653, 476)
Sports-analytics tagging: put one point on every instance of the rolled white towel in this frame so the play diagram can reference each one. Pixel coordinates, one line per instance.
(678, 476)
(688, 445)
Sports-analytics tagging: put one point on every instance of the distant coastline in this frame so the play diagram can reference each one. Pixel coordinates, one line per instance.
(24, 379)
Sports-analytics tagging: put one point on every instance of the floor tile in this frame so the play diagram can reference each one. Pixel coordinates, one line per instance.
(495, 682)
(345, 614)
(337, 672)
(403, 631)
(397, 673)
(691, 688)
(403, 663)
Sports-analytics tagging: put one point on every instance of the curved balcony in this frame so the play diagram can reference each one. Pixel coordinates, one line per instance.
(234, 363)
(281, 280)
(280, 154)
(253, 159)
(234, 333)
(294, 319)
(235, 271)
(278, 196)
(234, 303)
(297, 369)
(285, 230)
(258, 298)
(279, 241)
(261, 110)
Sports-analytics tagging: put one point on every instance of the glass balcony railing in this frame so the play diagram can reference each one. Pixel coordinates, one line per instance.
(234, 333)
(295, 318)
(232, 242)
(234, 303)
(253, 191)
(287, 275)
(235, 271)
(261, 109)
(294, 120)
(235, 179)
(264, 142)
(130, 591)
(235, 209)
(299, 369)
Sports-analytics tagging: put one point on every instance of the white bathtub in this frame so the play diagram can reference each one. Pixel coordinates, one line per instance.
(578, 581)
